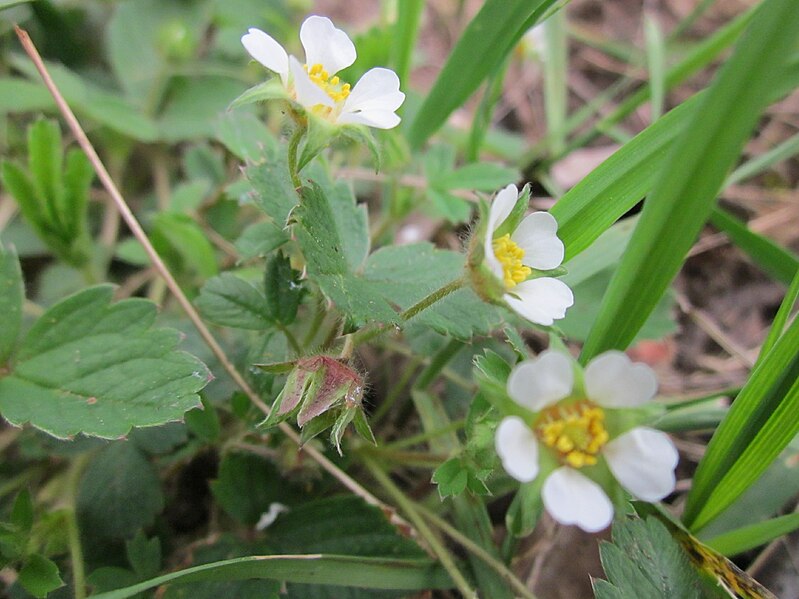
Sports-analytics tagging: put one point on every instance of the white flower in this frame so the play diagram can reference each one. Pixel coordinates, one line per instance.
(513, 256)
(314, 83)
(570, 426)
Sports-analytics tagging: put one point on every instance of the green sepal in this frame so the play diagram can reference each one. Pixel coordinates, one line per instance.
(360, 134)
(270, 90)
(277, 367)
(491, 373)
(526, 508)
(362, 427)
(291, 397)
(318, 135)
(343, 419)
(316, 426)
(509, 225)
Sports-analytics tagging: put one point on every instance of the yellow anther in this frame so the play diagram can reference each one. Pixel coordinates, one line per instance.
(330, 85)
(510, 255)
(576, 432)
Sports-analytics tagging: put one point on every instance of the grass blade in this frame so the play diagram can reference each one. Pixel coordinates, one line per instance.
(409, 15)
(754, 535)
(344, 570)
(556, 92)
(488, 38)
(692, 174)
(656, 63)
(777, 261)
(781, 318)
(760, 424)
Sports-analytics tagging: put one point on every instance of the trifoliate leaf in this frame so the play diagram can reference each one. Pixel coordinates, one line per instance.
(230, 301)
(451, 478)
(119, 493)
(645, 561)
(91, 366)
(12, 295)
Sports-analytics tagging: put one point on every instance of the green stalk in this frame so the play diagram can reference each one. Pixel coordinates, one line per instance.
(294, 144)
(411, 511)
(73, 533)
(478, 552)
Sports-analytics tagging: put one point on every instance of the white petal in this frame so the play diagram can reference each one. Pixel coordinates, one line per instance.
(613, 381)
(326, 45)
(500, 209)
(542, 301)
(571, 498)
(378, 89)
(263, 48)
(538, 383)
(379, 119)
(501, 206)
(537, 235)
(308, 93)
(517, 447)
(643, 461)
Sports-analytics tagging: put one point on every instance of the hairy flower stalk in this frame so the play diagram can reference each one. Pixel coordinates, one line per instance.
(577, 435)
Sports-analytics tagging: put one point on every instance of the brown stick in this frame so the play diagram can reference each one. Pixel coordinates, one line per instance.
(173, 286)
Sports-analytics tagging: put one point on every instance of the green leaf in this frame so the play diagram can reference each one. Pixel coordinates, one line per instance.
(204, 422)
(488, 38)
(259, 239)
(19, 95)
(12, 295)
(273, 191)
(269, 90)
(394, 272)
(645, 561)
(22, 511)
(39, 576)
(182, 235)
(9, 3)
(77, 182)
(230, 301)
(323, 249)
(245, 135)
(339, 570)
(760, 424)
(451, 478)
(526, 508)
(99, 368)
(194, 106)
(247, 485)
(45, 161)
(119, 493)
(283, 289)
(752, 536)
(144, 555)
(698, 162)
(406, 31)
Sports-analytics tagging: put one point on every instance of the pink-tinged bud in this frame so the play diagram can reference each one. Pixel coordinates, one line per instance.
(322, 392)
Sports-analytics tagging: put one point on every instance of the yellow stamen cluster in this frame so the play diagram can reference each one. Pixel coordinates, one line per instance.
(576, 432)
(332, 86)
(510, 255)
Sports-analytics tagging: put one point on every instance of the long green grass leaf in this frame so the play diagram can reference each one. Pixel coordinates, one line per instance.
(749, 537)
(760, 424)
(686, 188)
(343, 570)
(781, 318)
(409, 16)
(777, 261)
(488, 38)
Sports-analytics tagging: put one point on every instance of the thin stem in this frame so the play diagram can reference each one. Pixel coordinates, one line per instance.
(294, 143)
(73, 533)
(475, 549)
(370, 333)
(410, 509)
(441, 358)
(163, 271)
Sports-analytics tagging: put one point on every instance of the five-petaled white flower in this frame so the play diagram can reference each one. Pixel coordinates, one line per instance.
(571, 435)
(315, 85)
(513, 256)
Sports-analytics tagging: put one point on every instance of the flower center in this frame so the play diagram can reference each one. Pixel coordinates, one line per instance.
(510, 256)
(576, 432)
(332, 86)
